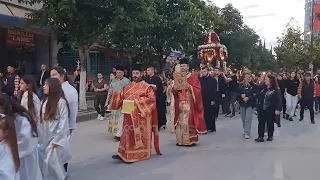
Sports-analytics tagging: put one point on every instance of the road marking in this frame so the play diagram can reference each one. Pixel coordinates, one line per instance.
(278, 170)
(276, 133)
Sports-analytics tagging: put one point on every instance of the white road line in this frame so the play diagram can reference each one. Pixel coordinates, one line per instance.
(276, 133)
(278, 170)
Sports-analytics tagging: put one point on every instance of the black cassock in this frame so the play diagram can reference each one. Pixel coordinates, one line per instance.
(207, 90)
(161, 103)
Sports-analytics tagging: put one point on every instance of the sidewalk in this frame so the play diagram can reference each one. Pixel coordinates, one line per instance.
(88, 114)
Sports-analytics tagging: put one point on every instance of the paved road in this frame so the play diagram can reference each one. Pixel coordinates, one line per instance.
(226, 155)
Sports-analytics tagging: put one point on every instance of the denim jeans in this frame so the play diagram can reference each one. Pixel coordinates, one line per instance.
(246, 117)
(40, 92)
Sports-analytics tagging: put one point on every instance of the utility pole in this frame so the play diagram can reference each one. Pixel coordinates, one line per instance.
(312, 36)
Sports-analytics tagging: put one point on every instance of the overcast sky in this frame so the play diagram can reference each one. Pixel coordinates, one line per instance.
(269, 15)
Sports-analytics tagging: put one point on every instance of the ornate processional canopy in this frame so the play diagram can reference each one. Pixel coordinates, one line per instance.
(212, 51)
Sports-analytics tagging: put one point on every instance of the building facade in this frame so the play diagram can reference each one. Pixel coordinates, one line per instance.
(307, 19)
(28, 46)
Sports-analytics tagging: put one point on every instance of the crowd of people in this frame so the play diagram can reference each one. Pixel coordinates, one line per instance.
(38, 115)
(195, 109)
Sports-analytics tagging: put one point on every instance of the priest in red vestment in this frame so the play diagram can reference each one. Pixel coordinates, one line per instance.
(138, 101)
(189, 114)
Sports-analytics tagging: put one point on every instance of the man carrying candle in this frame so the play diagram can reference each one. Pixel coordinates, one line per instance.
(138, 100)
(189, 116)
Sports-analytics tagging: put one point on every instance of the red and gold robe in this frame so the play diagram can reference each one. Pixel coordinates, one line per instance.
(189, 114)
(135, 142)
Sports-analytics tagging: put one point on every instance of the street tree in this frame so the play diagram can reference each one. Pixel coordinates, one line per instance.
(262, 58)
(240, 39)
(292, 51)
(177, 25)
(82, 24)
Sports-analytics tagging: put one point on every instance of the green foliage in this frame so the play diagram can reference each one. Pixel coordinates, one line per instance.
(292, 51)
(176, 25)
(151, 29)
(242, 42)
(82, 23)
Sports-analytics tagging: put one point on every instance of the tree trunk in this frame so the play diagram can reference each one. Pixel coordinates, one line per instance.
(83, 78)
(56, 46)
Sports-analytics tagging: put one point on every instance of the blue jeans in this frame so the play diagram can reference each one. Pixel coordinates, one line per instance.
(40, 92)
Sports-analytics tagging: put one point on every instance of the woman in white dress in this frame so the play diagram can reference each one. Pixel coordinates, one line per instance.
(71, 95)
(29, 99)
(9, 156)
(54, 131)
(27, 135)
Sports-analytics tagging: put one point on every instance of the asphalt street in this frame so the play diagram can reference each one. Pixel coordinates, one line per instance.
(225, 155)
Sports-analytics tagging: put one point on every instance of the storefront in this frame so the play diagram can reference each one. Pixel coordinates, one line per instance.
(29, 47)
(101, 60)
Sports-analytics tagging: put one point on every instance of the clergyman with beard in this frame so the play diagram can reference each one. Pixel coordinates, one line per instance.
(138, 102)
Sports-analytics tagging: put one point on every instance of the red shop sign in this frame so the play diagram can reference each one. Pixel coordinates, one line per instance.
(22, 38)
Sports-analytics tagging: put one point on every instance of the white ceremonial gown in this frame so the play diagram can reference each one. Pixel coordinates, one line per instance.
(28, 151)
(36, 102)
(72, 98)
(7, 169)
(55, 132)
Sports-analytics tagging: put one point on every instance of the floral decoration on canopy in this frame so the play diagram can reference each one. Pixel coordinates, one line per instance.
(212, 51)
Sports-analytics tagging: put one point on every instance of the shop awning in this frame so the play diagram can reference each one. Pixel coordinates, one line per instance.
(14, 15)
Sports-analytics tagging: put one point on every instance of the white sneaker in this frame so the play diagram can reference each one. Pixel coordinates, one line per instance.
(246, 136)
(99, 116)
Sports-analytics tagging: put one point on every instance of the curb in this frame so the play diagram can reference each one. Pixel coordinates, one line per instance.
(87, 117)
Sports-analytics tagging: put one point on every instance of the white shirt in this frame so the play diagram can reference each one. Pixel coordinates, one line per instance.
(72, 98)
(41, 78)
(217, 78)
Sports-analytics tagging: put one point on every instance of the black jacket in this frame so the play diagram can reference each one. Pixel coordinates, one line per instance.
(221, 88)
(250, 91)
(208, 87)
(306, 91)
(269, 100)
(46, 75)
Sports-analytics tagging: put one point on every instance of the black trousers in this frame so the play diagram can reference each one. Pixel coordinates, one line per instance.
(266, 117)
(284, 105)
(226, 104)
(161, 111)
(209, 116)
(309, 105)
(100, 101)
(215, 110)
(66, 167)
